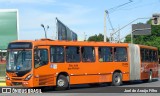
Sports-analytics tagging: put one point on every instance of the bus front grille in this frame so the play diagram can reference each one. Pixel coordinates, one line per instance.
(17, 83)
(17, 79)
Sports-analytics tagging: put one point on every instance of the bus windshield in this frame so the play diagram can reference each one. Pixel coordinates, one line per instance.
(19, 60)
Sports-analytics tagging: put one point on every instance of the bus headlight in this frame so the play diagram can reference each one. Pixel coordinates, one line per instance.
(28, 77)
(7, 77)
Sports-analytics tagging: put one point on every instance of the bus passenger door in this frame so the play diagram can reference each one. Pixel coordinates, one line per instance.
(41, 66)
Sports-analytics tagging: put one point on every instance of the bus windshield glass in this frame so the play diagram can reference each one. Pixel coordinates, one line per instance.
(19, 60)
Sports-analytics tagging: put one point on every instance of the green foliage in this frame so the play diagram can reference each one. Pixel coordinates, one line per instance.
(149, 21)
(128, 39)
(97, 38)
(150, 40)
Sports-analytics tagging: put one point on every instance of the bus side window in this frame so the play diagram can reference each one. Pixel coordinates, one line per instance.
(41, 57)
(72, 54)
(155, 56)
(88, 54)
(105, 54)
(57, 54)
(142, 55)
(120, 54)
(151, 55)
(146, 55)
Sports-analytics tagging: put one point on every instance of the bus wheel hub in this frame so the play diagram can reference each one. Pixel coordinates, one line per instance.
(117, 79)
(61, 82)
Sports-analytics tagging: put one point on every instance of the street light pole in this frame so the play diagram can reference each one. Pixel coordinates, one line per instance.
(45, 30)
(133, 34)
(105, 28)
(126, 26)
(132, 37)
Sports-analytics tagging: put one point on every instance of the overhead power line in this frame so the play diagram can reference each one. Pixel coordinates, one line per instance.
(107, 14)
(110, 22)
(116, 7)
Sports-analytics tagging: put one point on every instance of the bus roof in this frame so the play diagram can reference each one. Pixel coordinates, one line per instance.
(78, 43)
(150, 47)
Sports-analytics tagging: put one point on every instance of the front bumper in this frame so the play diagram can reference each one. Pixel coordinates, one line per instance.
(17, 83)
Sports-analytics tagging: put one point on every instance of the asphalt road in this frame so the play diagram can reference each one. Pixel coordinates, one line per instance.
(86, 90)
(107, 90)
(104, 89)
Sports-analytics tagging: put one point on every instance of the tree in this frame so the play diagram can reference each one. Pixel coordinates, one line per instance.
(150, 40)
(96, 37)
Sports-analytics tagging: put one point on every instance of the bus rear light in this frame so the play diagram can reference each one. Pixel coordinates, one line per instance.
(7, 77)
(28, 77)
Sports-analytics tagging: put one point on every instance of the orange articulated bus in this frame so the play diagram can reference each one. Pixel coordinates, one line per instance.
(47, 62)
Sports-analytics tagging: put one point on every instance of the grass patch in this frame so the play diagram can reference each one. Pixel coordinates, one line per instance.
(2, 81)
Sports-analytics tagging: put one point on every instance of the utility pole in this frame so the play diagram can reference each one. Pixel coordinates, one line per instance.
(105, 28)
(84, 36)
(106, 13)
(119, 35)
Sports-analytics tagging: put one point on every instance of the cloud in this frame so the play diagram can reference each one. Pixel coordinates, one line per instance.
(28, 1)
(72, 15)
(69, 15)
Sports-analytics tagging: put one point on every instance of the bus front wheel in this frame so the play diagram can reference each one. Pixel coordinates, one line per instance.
(117, 79)
(62, 83)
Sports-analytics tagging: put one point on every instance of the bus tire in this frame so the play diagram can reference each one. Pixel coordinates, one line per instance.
(116, 79)
(150, 77)
(62, 83)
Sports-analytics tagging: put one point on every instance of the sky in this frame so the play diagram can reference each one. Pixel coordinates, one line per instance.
(81, 16)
